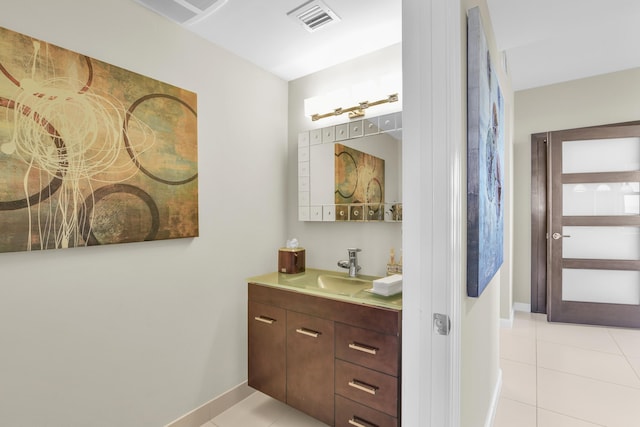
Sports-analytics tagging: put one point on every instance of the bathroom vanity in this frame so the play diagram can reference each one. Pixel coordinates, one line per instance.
(323, 343)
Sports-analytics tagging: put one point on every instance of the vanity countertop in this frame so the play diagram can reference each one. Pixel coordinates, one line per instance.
(330, 284)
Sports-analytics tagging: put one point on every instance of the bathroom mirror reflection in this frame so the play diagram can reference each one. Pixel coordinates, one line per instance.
(351, 171)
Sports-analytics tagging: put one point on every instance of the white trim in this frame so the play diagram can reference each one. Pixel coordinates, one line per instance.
(520, 306)
(433, 196)
(211, 409)
(507, 323)
(495, 399)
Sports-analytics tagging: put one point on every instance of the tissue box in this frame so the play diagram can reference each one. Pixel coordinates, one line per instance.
(291, 260)
(387, 286)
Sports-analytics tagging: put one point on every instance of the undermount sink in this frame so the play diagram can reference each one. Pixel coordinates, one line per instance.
(331, 282)
(343, 285)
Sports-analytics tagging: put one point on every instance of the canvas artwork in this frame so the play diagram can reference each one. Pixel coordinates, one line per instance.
(359, 179)
(90, 153)
(485, 162)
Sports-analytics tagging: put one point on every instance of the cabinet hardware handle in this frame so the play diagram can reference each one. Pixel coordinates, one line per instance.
(266, 320)
(358, 422)
(371, 389)
(363, 348)
(308, 332)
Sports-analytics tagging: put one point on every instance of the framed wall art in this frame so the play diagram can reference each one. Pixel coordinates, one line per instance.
(485, 161)
(91, 153)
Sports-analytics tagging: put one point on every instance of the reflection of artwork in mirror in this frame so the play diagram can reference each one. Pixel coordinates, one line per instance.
(90, 153)
(359, 176)
(485, 163)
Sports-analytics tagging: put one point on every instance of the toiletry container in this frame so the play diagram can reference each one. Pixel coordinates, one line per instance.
(291, 260)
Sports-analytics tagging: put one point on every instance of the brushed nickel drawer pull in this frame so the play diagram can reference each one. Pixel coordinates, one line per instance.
(359, 422)
(363, 348)
(367, 388)
(266, 320)
(308, 332)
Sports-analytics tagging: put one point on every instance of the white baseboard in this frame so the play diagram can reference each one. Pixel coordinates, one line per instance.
(520, 306)
(495, 398)
(507, 323)
(214, 407)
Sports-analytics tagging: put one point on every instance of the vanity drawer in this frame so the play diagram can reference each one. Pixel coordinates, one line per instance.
(371, 388)
(368, 348)
(350, 414)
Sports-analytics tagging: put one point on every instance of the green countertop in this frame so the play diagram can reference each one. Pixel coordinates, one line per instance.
(331, 284)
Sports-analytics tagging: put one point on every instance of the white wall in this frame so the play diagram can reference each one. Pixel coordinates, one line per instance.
(609, 98)
(325, 242)
(139, 334)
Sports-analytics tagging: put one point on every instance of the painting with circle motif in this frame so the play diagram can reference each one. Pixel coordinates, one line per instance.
(91, 153)
(485, 162)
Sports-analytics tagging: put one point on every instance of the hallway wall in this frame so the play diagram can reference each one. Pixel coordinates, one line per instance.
(605, 99)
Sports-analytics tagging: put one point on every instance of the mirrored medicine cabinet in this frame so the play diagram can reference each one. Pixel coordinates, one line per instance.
(352, 171)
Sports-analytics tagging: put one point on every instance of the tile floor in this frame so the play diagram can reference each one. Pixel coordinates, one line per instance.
(561, 375)
(554, 375)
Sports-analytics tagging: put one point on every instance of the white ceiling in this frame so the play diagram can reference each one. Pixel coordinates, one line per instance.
(546, 41)
(260, 31)
(551, 41)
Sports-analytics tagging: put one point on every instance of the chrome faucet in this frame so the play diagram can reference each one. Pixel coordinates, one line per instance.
(352, 262)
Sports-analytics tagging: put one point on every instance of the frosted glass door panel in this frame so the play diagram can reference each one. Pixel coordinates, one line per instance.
(601, 155)
(601, 286)
(601, 243)
(610, 198)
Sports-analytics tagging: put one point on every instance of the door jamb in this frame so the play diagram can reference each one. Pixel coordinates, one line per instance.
(539, 222)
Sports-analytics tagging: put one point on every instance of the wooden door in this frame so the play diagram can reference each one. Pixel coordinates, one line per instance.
(594, 226)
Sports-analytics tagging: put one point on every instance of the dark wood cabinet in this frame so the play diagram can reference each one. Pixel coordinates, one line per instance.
(337, 361)
(267, 349)
(310, 354)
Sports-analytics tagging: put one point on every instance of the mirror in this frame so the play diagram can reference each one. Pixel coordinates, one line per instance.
(352, 171)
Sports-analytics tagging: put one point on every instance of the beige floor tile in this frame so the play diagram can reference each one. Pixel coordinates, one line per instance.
(628, 340)
(518, 381)
(209, 424)
(511, 414)
(551, 419)
(587, 363)
(587, 337)
(595, 401)
(517, 347)
(298, 419)
(257, 410)
(635, 364)
(524, 324)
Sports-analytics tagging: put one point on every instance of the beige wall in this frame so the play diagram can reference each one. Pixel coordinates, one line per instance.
(139, 334)
(480, 369)
(609, 98)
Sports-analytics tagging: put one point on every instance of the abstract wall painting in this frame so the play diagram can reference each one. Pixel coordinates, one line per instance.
(359, 182)
(485, 161)
(90, 153)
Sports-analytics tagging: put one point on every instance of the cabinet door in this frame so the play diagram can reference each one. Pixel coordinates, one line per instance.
(267, 349)
(368, 387)
(310, 359)
(350, 414)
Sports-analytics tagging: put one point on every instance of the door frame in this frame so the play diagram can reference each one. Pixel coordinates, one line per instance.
(539, 222)
(433, 194)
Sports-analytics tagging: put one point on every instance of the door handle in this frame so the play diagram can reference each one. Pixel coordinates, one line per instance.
(557, 236)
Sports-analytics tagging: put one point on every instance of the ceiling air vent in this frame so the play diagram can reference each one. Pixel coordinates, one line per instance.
(183, 11)
(313, 15)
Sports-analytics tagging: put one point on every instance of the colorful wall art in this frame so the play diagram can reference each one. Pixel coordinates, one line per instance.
(485, 162)
(359, 181)
(90, 153)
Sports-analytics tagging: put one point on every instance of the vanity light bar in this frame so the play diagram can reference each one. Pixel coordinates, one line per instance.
(356, 111)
